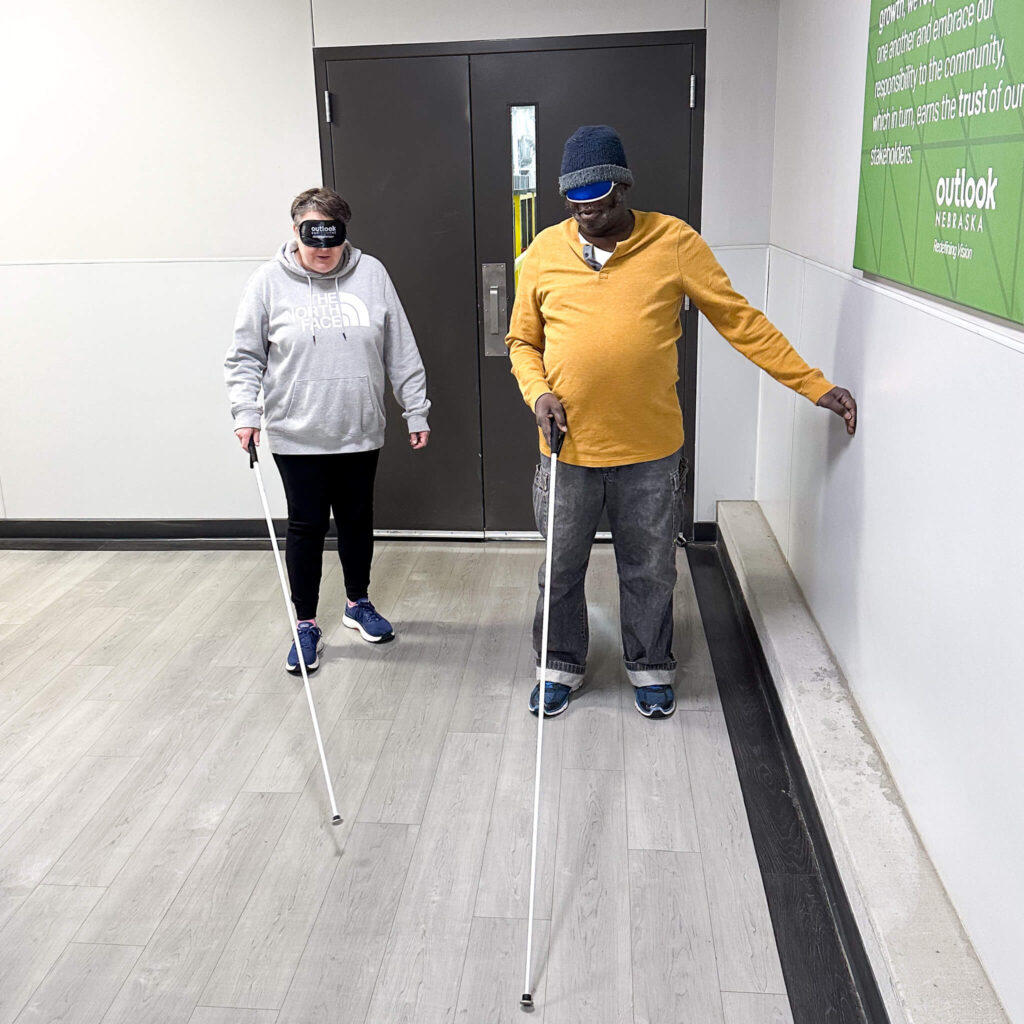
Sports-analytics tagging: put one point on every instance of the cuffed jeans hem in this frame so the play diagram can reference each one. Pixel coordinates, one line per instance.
(560, 672)
(644, 675)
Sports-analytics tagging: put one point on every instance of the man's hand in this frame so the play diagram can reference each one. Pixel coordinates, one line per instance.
(244, 433)
(549, 408)
(841, 402)
(418, 438)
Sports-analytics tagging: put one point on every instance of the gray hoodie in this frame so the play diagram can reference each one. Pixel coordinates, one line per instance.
(319, 345)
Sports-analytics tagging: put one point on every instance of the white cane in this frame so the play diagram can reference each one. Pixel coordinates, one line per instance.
(557, 437)
(254, 464)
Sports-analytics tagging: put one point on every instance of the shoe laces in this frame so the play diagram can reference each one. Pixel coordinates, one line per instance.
(369, 612)
(552, 694)
(653, 693)
(308, 637)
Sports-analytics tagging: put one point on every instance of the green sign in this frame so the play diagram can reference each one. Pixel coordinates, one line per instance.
(942, 166)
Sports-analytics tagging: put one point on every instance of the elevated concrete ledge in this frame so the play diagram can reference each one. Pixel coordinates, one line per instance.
(926, 968)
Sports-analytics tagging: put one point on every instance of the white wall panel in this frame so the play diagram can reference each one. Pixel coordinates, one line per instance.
(112, 400)
(739, 110)
(140, 130)
(727, 397)
(818, 115)
(907, 543)
(778, 405)
(351, 23)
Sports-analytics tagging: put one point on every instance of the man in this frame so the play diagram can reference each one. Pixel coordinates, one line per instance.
(593, 346)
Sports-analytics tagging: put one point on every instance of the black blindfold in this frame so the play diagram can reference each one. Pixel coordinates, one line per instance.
(322, 234)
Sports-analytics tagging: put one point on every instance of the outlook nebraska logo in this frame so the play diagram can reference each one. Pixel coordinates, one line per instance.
(961, 201)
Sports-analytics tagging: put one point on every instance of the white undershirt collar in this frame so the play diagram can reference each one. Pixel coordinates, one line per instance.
(600, 255)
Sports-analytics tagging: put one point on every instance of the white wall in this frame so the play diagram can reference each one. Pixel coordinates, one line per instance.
(907, 540)
(356, 23)
(157, 149)
(178, 135)
(739, 115)
(738, 141)
(728, 395)
(114, 406)
(146, 130)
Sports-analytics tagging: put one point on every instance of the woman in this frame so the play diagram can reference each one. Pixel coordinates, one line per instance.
(318, 328)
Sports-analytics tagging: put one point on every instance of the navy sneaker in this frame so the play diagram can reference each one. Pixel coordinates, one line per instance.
(311, 643)
(556, 699)
(372, 626)
(655, 701)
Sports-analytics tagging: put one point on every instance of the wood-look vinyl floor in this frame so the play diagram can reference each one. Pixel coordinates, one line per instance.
(165, 847)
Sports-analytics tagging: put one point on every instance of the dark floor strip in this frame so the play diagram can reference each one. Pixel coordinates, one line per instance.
(827, 972)
(147, 534)
(93, 532)
(190, 534)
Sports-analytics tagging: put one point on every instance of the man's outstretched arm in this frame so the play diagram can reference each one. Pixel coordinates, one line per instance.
(750, 332)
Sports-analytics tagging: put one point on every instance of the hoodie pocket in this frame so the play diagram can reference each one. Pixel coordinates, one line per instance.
(328, 412)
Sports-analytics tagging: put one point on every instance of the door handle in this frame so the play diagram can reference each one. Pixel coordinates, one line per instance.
(492, 298)
(495, 309)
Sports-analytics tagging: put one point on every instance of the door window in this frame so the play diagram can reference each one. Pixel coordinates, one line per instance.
(524, 181)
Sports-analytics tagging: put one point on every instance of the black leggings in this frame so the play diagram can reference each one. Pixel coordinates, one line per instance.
(314, 486)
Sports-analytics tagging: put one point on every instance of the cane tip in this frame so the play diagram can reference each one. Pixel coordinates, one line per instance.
(526, 1002)
(336, 820)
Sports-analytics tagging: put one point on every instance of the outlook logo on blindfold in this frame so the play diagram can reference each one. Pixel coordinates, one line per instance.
(322, 234)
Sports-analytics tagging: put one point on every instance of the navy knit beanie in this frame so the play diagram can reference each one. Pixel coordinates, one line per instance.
(592, 154)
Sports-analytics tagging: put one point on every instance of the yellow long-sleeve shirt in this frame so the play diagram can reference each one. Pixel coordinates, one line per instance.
(604, 341)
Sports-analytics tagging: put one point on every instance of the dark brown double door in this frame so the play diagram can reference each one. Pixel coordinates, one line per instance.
(419, 141)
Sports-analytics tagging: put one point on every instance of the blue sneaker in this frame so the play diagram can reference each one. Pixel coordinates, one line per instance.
(655, 701)
(556, 699)
(311, 643)
(372, 626)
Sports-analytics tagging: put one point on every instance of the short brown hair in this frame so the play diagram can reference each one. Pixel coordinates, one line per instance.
(323, 200)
